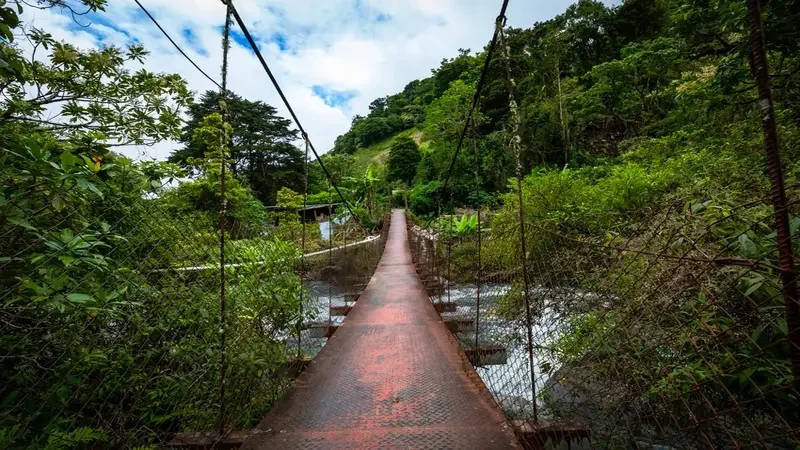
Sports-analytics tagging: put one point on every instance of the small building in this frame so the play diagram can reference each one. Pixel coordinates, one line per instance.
(314, 214)
(311, 213)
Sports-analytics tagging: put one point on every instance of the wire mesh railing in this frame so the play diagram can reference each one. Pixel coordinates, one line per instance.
(335, 278)
(670, 333)
(110, 292)
(670, 325)
(660, 324)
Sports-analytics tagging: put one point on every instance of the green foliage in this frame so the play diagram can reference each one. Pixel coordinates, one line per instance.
(364, 216)
(366, 189)
(586, 218)
(377, 154)
(403, 159)
(589, 81)
(445, 116)
(367, 131)
(371, 130)
(388, 115)
(423, 198)
(640, 130)
(100, 100)
(79, 437)
(203, 194)
(108, 287)
(85, 282)
(339, 166)
(261, 149)
(289, 199)
(459, 227)
(634, 87)
(322, 198)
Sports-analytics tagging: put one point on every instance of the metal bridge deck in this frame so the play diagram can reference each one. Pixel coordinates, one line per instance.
(390, 377)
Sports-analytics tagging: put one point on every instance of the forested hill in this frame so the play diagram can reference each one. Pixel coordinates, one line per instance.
(593, 83)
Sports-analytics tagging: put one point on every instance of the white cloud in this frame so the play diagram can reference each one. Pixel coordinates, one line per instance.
(369, 47)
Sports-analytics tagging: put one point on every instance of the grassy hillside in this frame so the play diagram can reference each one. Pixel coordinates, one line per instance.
(377, 154)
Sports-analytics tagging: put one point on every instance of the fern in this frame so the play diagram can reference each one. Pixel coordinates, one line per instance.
(8, 436)
(59, 440)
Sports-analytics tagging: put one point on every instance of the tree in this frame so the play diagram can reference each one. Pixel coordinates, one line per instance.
(203, 193)
(403, 159)
(345, 144)
(378, 106)
(451, 70)
(339, 167)
(633, 87)
(366, 187)
(261, 150)
(103, 344)
(371, 130)
(636, 20)
(445, 116)
(99, 99)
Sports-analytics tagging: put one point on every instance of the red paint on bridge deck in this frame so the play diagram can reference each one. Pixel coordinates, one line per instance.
(390, 377)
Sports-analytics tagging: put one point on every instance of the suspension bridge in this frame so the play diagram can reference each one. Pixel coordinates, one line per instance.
(390, 377)
(463, 351)
(213, 332)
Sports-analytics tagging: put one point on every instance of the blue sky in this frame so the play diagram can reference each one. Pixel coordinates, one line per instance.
(332, 97)
(332, 57)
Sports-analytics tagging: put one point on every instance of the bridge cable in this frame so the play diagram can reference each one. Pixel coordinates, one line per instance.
(501, 19)
(476, 97)
(177, 47)
(286, 103)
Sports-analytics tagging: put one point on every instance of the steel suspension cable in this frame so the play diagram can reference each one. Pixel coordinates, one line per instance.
(476, 96)
(175, 44)
(469, 121)
(286, 103)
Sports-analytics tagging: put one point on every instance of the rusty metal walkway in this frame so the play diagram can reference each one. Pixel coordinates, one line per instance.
(390, 377)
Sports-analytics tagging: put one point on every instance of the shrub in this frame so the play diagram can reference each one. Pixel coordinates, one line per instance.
(423, 198)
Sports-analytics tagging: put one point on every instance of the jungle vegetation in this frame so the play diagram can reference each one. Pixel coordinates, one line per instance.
(645, 184)
(640, 122)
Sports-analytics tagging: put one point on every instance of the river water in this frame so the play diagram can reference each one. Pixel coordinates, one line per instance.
(509, 383)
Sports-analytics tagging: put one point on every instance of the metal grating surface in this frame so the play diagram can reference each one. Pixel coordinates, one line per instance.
(390, 377)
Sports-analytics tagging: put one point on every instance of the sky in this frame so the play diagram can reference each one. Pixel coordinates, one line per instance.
(331, 57)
